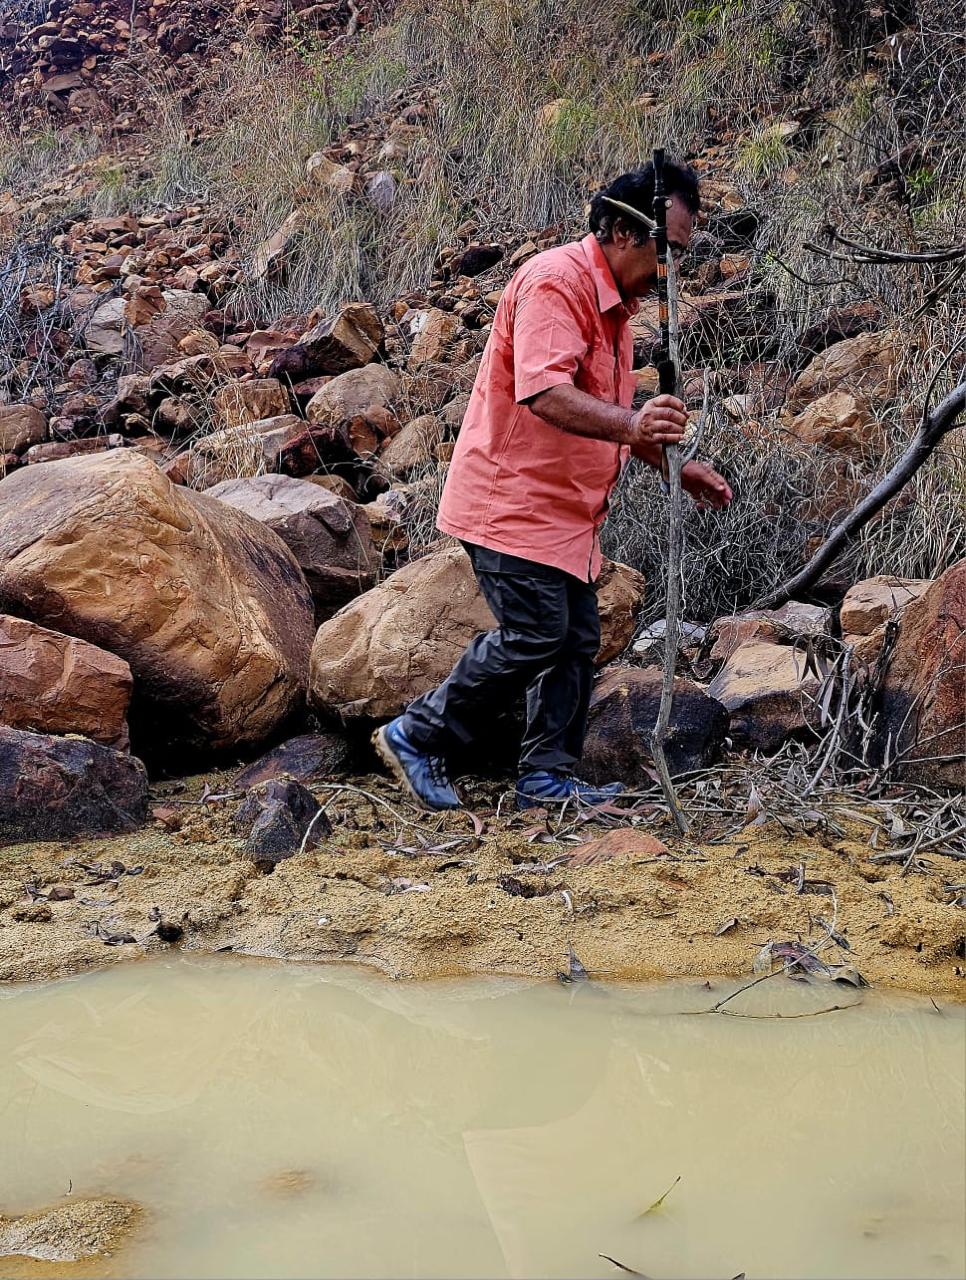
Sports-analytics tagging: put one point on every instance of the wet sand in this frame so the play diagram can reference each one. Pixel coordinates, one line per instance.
(372, 893)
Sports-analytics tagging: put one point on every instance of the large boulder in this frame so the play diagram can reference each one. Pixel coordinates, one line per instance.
(56, 787)
(328, 536)
(403, 637)
(52, 683)
(874, 600)
(770, 693)
(923, 714)
(866, 363)
(623, 713)
(208, 606)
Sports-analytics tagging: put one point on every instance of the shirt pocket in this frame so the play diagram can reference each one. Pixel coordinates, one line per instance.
(600, 375)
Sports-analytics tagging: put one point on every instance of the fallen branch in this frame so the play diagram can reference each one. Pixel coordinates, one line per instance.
(935, 425)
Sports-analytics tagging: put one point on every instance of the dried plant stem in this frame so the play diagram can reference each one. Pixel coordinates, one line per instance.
(672, 637)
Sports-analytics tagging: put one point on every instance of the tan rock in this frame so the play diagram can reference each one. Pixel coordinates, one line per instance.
(782, 625)
(197, 342)
(240, 402)
(345, 341)
(326, 173)
(769, 692)
(207, 606)
(403, 637)
(352, 393)
(412, 447)
(54, 683)
(923, 720)
(866, 364)
(620, 594)
(435, 332)
(874, 600)
(21, 425)
(839, 420)
(57, 450)
(247, 450)
(524, 251)
(160, 337)
(387, 523)
(328, 536)
(104, 333)
(272, 252)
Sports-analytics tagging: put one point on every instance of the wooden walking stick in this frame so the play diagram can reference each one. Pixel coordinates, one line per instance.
(667, 361)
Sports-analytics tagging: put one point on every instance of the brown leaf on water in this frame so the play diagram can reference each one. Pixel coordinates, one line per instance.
(652, 1208)
(620, 1265)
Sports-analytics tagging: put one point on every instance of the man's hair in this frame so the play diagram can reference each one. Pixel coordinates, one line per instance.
(637, 190)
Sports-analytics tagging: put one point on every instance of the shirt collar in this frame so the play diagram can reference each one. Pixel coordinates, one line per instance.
(608, 295)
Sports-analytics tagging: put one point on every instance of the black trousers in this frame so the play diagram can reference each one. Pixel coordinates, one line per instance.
(547, 638)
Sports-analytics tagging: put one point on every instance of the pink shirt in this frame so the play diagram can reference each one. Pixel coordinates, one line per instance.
(517, 484)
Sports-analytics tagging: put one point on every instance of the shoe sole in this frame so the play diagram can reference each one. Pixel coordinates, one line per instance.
(533, 802)
(389, 758)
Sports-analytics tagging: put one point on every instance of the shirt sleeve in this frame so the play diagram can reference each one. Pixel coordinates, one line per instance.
(549, 338)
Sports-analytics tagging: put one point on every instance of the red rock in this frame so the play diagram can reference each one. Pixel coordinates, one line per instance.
(54, 683)
(923, 720)
(52, 788)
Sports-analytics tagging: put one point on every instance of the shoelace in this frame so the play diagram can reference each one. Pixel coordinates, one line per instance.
(437, 771)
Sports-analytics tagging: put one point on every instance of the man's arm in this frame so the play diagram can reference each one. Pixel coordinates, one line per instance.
(660, 421)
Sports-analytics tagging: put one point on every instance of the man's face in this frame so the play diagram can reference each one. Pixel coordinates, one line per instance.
(636, 267)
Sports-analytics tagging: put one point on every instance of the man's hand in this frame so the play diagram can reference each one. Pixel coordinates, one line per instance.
(658, 422)
(705, 486)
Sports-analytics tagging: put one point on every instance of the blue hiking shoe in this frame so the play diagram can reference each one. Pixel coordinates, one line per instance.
(424, 776)
(542, 788)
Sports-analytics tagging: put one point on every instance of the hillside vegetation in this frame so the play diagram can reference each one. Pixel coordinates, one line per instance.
(494, 121)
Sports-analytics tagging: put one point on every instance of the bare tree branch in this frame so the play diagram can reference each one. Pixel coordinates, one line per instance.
(936, 424)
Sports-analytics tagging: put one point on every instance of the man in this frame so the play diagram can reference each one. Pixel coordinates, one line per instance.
(546, 435)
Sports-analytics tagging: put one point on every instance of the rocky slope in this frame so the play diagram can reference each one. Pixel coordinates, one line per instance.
(216, 510)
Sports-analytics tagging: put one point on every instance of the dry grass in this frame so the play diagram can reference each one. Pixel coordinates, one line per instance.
(487, 146)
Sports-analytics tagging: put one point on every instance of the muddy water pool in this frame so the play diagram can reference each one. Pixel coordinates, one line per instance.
(283, 1120)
